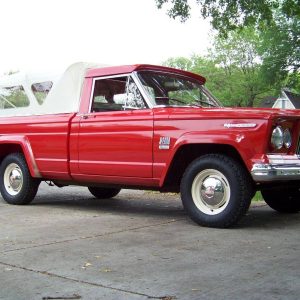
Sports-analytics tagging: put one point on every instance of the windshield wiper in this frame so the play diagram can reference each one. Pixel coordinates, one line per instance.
(172, 99)
(198, 102)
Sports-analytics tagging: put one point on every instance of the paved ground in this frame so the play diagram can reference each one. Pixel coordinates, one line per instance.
(141, 245)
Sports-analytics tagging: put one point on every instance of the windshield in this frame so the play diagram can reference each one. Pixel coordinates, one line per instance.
(174, 90)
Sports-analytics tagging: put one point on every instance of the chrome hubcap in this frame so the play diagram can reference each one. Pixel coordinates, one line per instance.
(13, 179)
(211, 191)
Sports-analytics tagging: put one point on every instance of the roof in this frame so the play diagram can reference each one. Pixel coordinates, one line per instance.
(270, 101)
(294, 98)
(116, 70)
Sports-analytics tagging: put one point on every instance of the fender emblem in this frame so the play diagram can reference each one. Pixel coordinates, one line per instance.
(164, 142)
(240, 125)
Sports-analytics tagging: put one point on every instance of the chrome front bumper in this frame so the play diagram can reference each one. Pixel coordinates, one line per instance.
(283, 168)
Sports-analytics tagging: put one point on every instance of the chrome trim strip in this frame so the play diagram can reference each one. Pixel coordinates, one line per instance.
(135, 79)
(240, 125)
(111, 76)
(271, 172)
(99, 78)
(275, 159)
(141, 88)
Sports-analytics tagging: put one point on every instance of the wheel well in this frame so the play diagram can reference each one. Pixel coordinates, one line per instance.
(186, 154)
(6, 149)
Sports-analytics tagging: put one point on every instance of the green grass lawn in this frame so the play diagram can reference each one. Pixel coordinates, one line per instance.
(258, 197)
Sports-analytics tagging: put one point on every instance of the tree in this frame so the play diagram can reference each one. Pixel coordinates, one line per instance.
(280, 51)
(226, 15)
(232, 68)
(238, 56)
(278, 24)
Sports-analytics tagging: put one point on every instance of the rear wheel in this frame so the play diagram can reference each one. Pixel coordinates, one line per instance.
(104, 193)
(16, 184)
(284, 200)
(216, 191)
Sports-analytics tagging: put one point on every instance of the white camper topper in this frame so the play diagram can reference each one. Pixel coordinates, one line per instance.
(39, 94)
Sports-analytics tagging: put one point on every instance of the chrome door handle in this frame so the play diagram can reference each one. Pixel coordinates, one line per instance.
(87, 116)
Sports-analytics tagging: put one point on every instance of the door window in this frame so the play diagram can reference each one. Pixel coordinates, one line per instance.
(117, 93)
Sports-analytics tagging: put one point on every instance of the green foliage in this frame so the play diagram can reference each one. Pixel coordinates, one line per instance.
(233, 69)
(180, 8)
(257, 197)
(19, 99)
(227, 15)
(276, 21)
(280, 51)
(13, 97)
(40, 97)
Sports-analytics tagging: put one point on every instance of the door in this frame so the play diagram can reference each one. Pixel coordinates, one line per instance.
(115, 137)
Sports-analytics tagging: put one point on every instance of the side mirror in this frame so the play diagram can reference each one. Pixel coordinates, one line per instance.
(120, 98)
(126, 100)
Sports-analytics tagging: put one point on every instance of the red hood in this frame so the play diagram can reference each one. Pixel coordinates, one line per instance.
(225, 113)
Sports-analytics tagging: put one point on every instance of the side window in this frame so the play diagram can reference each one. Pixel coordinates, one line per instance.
(118, 93)
(41, 90)
(13, 97)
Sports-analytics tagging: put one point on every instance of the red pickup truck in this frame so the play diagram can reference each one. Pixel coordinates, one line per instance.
(148, 127)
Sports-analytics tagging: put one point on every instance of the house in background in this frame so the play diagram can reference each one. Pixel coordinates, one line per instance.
(268, 102)
(287, 100)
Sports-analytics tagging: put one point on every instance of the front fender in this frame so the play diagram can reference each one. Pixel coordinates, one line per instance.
(237, 140)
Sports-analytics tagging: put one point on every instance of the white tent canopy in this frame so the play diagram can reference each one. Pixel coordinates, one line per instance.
(63, 97)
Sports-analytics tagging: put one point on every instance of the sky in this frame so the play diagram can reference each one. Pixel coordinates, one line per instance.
(52, 34)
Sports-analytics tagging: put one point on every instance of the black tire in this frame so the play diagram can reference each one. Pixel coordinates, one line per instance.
(283, 200)
(227, 195)
(104, 193)
(16, 184)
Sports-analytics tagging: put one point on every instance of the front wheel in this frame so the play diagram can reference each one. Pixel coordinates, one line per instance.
(104, 193)
(216, 191)
(283, 200)
(16, 184)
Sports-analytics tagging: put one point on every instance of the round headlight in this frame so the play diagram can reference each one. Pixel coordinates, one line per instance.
(287, 138)
(277, 138)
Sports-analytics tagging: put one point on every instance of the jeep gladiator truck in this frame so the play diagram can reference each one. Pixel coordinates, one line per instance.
(148, 127)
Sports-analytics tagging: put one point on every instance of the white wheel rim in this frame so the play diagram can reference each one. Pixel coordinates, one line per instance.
(13, 179)
(211, 192)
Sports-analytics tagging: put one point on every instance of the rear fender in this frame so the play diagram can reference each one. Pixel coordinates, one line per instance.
(24, 144)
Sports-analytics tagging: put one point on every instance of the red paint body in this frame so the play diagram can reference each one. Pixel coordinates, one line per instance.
(122, 147)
